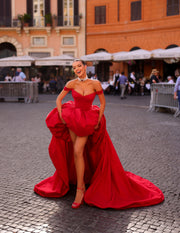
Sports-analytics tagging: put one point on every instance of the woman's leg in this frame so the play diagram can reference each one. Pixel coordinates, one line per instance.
(79, 144)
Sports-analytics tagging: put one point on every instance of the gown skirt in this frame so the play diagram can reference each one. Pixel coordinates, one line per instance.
(109, 185)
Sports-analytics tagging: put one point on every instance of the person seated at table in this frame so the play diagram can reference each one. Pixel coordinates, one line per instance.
(170, 80)
(17, 77)
(110, 88)
(8, 78)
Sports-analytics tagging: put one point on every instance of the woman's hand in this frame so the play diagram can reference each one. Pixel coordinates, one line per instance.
(63, 121)
(175, 95)
(96, 126)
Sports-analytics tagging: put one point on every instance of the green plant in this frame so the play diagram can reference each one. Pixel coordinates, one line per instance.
(26, 18)
(48, 19)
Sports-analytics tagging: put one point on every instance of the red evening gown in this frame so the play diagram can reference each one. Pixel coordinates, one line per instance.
(110, 186)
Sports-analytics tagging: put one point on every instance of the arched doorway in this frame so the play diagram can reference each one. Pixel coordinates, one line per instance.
(102, 68)
(7, 50)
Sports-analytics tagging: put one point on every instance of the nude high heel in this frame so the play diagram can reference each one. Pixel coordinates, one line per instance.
(76, 205)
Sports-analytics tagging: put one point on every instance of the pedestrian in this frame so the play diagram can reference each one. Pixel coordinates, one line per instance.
(83, 153)
(177, 86)
(122, 82)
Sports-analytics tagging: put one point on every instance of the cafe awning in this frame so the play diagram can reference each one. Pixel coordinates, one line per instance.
(63, 60)
(139, 54)
(166, 53)
(22, 61)
(99, 56)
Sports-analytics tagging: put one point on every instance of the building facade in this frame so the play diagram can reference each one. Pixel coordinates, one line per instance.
(118, 25)
(42, 28)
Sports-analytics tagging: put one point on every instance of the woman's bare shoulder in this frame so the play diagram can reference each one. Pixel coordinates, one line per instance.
(70, 84)
(97, 85)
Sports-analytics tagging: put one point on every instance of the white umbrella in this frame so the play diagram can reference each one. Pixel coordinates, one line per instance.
(99, 56)
(17, 61)
(139, 54)
(166, 53)
(63, 60)
(119, 55)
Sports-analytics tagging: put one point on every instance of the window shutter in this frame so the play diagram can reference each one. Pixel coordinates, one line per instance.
(172, 7)
(8, 13)
(76, 12)
(5, 13)
(29, 10)
(136, 10)
(100, 14)
(47, 7)
(60, 13)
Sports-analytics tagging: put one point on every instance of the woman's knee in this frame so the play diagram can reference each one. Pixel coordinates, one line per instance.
(78, 152)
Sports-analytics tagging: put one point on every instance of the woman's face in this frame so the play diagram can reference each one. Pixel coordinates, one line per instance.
(79, 69)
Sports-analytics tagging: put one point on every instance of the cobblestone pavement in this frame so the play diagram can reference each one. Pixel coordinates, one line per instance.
(147, 144)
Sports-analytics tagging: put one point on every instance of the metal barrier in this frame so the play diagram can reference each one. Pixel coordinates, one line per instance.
(17, 90)
(162, 95)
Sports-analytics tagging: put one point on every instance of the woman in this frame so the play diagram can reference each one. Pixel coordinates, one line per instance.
(83, 153)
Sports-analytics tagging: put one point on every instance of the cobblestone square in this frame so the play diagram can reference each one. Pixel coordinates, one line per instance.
(147, 144)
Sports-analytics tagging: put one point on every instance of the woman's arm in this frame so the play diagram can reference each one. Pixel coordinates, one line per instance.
(61, 97)
(102, 100)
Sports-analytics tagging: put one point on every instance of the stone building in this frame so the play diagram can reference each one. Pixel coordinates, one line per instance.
(118, 25)
(42, 28)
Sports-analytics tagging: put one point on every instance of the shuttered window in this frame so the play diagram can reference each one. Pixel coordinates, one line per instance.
(135, 10)
(29, 10)
(100, 14)
(60, 13)
(173, 7)
(5, 13)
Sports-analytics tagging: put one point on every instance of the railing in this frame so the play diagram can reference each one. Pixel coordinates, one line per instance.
(162, 96)
(39, 21)
(17, 90)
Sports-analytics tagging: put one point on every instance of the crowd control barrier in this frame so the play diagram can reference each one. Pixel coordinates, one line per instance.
(19, 90)
(162, 95)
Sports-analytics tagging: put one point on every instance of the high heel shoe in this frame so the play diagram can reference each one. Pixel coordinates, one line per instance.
(76, 205)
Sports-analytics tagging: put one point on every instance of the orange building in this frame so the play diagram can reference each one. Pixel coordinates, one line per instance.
(42, 28)
(118, 25)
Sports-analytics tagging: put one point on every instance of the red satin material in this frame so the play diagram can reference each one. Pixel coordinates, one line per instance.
(109, 185)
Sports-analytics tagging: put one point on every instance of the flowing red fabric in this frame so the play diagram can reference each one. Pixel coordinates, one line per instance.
(110, 186)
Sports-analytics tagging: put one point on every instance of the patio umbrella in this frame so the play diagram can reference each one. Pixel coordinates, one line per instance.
(100, 56)
(139, 54)
(17, 61)
(63, 60)
(166, 53)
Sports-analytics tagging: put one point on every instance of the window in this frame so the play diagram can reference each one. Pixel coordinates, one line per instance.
(135, 10)
(100, 14)
(68, 40)
(38, 13)
(68, 13)
(172, 7)
(69, 53)
(38, 41)
(5, 13)
(39, 54)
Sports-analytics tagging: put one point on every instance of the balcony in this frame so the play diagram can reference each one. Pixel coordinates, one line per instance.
(39, 23)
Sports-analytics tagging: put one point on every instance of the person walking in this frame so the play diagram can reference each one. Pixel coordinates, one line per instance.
(122, 81)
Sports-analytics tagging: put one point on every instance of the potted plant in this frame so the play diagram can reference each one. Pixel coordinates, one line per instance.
(48, 19)
(26, 19)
